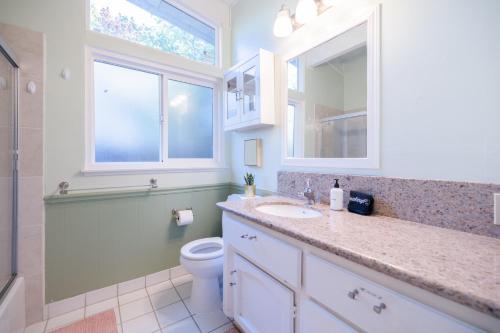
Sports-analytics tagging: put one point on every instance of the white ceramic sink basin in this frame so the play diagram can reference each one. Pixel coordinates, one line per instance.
(288, 210)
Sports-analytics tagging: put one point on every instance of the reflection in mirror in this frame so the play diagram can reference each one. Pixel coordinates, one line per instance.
(327, 99)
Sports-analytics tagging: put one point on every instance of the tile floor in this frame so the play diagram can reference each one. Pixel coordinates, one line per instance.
(160, 308)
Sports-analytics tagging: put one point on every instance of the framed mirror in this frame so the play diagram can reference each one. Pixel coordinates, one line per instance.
(330, 99)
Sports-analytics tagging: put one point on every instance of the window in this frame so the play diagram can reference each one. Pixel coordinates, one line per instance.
(156, 24)
(127, 114)
(293, 74)
(141, 117)
(290, 129)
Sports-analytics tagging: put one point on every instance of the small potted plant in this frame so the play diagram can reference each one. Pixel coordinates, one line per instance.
(249, 185)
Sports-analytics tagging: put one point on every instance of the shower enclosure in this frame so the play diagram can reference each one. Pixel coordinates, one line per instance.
(8, 166)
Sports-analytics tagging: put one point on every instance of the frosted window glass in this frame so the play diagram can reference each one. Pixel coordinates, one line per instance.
(190, 120)
(127, 114)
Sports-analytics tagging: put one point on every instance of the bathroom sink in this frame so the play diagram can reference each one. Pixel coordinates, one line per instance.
(288, 210)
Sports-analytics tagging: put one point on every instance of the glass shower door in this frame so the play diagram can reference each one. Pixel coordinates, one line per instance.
(8, 167)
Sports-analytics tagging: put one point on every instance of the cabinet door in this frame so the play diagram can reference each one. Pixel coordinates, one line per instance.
(250, 90)
(261, 304)
(232, 98)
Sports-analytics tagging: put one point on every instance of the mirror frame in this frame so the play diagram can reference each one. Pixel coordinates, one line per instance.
(370, 16)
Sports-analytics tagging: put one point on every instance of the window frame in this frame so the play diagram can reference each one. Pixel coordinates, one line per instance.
(187, 10)
(165, 73)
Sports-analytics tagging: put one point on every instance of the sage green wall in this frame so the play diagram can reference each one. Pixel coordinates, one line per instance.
(93, 241)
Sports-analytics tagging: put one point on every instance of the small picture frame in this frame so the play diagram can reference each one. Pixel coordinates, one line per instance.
(253, 152)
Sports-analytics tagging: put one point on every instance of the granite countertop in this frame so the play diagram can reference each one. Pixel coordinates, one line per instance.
(459, 266)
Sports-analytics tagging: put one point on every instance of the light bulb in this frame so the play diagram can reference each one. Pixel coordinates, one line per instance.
(283, 23)
(328, 3)
(306, 10)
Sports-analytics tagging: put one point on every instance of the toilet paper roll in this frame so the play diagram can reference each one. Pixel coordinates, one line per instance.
(184, 217)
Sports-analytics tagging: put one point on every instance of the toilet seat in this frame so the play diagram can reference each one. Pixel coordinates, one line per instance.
(203, 249)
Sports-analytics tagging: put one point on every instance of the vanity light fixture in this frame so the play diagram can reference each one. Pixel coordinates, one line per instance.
(306, 10)
(283, 24)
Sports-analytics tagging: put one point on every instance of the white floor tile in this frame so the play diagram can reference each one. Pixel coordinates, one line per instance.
(164, 298)
(99, 295)
(133, 296)
(185, 289)
(157, 277)
(64, 319)
(182, 279)
(177, 271)
(184, 326)
(103, 306)
(66, 305)
(223, 328)
(210, 321)
(135, 309)
(159, 287)
(131, 285)
(171, 314)
(142, 324)
(187, 302)
(36, 328)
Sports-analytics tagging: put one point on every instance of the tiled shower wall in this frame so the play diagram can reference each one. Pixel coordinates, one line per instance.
(454, 205)
(28, 47)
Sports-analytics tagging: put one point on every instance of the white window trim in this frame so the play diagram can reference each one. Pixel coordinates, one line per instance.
(184, 8)
(166, 165)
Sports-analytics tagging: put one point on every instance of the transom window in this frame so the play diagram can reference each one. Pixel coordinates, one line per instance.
(142, 117)
(156, 24)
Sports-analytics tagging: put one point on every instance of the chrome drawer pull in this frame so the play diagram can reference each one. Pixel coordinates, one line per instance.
(232, 284)
(252, 237)
(379, 308)
(352, 294)
(244, 236)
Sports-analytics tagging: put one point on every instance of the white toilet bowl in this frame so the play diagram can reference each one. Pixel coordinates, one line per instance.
(204, 258)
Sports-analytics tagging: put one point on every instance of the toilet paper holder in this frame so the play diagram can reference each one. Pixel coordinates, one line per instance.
(175, 211)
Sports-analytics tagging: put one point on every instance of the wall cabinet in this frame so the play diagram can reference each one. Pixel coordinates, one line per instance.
(249, 100)
(272, 285)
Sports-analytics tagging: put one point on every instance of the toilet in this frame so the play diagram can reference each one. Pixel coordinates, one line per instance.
(204, 258)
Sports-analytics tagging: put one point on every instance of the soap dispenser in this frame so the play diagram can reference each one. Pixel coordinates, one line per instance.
(336, 197)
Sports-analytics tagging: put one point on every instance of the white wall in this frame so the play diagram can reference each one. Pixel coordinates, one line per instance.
(63, 23)
(440, 110)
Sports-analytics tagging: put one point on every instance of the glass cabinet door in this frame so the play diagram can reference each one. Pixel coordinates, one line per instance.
(232, 100)
(250, 93)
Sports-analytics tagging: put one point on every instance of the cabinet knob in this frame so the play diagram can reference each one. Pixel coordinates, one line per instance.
(379, 308)
(232, 272)
(353, 293)
(232, 284)
(244, 236)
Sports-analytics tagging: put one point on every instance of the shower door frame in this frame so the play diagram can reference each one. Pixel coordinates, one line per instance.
(9, 55)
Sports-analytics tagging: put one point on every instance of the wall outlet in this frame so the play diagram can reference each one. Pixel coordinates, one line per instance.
(496, 219)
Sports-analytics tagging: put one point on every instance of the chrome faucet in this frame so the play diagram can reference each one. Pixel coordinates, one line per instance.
(308, 193)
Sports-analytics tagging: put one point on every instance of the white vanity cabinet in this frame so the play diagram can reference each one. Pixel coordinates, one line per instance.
(261, 304)
(249, 100)
(273, 283)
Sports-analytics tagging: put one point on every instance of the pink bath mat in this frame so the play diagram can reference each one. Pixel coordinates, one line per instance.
(104, 322)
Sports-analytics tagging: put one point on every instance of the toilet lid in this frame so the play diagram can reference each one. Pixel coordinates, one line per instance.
(203, 249)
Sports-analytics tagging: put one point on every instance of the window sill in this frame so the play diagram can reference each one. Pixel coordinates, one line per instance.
(99, 171)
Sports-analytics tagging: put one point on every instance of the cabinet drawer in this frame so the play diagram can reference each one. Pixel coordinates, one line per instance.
(313, 318)
(275, 256)
(362, 302)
